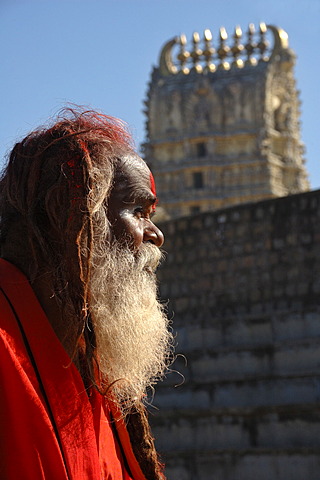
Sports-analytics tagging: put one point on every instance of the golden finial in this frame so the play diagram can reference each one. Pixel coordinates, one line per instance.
(183, 55)
(196, 52)
(237, 48)
(263, 44)
(223, 50)
(223, 34)
(208, 51)
(263, 27)
(238, 31)
(183, 39)
(207, 35)
(250, 46)
(196, 37)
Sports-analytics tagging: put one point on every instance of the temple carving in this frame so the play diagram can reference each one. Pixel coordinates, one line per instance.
(223, 121)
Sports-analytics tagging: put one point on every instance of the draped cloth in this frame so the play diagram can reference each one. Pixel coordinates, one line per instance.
(50, 428)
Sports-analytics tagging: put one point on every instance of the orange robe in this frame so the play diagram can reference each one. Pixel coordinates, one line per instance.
(49, 428)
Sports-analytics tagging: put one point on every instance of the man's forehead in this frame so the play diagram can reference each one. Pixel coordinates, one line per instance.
(133, 174)
(134, 162)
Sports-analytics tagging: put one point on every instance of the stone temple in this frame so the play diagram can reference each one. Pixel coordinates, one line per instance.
(243, 261)
(223, 121)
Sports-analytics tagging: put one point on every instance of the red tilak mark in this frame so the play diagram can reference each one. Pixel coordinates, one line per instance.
(153, 190)
(153, 185)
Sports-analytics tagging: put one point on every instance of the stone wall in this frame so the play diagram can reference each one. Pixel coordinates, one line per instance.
(244, 289)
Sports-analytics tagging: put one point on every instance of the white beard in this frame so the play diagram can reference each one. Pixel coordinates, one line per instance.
(134, 344)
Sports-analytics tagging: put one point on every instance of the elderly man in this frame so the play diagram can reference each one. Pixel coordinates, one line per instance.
(83, 336)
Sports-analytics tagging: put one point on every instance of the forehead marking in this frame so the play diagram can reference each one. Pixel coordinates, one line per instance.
(153, 185)
(153, 190)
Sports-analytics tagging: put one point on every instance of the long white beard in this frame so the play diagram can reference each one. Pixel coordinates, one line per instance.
(134, 344)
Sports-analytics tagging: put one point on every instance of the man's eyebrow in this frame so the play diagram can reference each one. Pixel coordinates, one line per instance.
(148, 196)
(140, 194)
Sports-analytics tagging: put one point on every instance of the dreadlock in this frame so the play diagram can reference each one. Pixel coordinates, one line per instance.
(54, 190)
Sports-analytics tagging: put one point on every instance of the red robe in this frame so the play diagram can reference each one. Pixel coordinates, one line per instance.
(49, 428)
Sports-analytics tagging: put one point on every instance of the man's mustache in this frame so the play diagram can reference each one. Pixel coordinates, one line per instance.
(148, 257)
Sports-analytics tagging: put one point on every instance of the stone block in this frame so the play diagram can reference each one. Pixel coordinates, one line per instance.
(265, 392)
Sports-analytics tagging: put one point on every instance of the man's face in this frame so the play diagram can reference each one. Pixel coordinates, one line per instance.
(132, 203)
(133, 340)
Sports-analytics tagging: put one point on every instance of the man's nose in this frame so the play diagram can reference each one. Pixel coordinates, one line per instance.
(153, 234)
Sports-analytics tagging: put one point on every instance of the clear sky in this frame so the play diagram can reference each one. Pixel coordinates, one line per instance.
(100, 53)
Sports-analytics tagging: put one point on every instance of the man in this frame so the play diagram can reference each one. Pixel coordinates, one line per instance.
(82, 335)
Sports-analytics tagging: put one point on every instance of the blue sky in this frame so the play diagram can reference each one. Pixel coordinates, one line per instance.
(100, 53)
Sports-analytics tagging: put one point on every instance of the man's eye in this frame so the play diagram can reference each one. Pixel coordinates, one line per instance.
(138, 211)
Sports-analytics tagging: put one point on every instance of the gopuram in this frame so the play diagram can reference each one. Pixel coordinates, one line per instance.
(223, 121)
(242, 270)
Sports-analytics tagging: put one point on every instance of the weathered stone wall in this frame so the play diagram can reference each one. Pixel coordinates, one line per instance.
(244, 290)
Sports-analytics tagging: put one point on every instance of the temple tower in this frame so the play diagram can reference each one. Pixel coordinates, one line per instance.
(223, 121)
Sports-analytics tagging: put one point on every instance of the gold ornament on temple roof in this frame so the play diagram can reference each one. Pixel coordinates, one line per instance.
(223, 50)
(250, 46)
(196, 53)
(237, 48)
(208, 51)
(183, 55)
(237, 54)
(263, 44)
